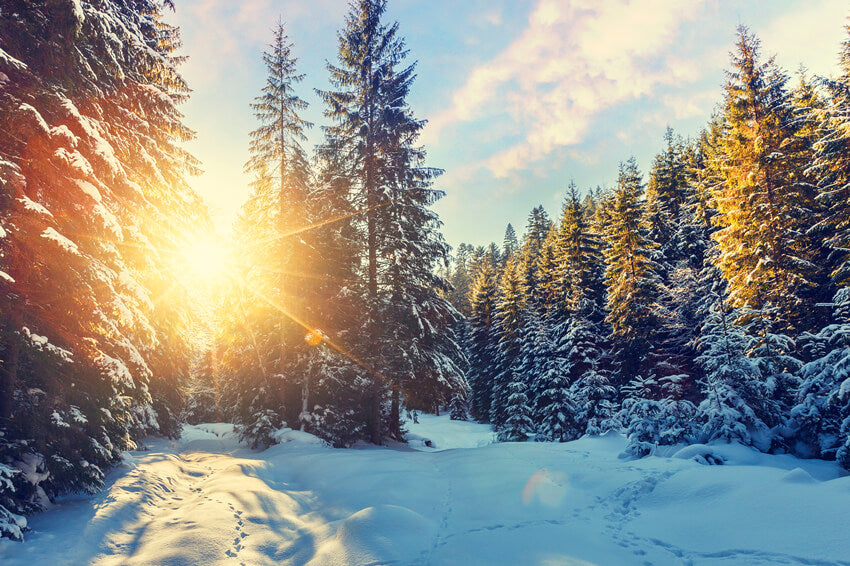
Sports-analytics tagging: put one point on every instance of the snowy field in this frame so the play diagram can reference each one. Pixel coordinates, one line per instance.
(463, 501)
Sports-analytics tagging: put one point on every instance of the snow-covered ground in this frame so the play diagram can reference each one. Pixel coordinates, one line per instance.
(206, 500)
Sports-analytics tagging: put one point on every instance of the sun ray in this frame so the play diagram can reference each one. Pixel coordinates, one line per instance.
(326, 339)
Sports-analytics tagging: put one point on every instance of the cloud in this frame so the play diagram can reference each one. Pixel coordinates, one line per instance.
(574, 59)
(220, 35)
(494, 16)
(810, 33)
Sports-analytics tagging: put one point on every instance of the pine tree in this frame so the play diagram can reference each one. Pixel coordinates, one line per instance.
(93, 199)
(579, 254)
(583, 349)
(510, 244)
(509, 321)
(410, 328)
(821, 404)
(518, 425)
(338, 382)
(679, 244)
(556, 415)
(666, 201)
(732, 383)
(765, 204)
(482, 349)
(272, 240)
(831, 166)
(461, 280)
(631, 277)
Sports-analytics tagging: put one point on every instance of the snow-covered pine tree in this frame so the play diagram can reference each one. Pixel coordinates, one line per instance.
(816, 418)
(820, 419)
(631, 277)
(556, 415)
(579, 255)
(666, 201)
(274, 252)
(677, 252)
(93, 198)
(765, 203)
(529, 255)
(375, 132)
(421, 350)
(775, 356)
(461, 280)
(482, 347)
(202, 389)
(509, 319)
(517, 425)
(831, 166)
(581, 350)
(510, 244)
(732, 382)
(338, 383)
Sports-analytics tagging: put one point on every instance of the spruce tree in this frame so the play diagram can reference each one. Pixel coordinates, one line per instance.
(765, 204)
(509, 322)
(631, 277)
(817, 418)
(510, 244)
(277, 211)
(831, 167)
(732, 384)
(482, 348)
(94, 205)
(411, 345)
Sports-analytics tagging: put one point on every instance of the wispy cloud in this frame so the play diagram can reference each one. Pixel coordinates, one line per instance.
(573, 60)
(223, 33)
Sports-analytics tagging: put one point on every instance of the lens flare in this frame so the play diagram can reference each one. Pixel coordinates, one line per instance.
(314, 338)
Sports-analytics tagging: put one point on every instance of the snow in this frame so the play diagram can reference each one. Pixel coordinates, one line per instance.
(33, 206)
(205, 499)
(74, 161)
(10, 61)
(77, 11)
(43, 343)
(444, 433)
(116, 370)
(35, 117)
(51, 234)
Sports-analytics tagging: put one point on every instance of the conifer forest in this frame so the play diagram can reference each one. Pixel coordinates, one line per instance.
(690, 314)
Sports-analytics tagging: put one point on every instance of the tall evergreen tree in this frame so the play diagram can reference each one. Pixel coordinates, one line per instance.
(765, 203)
(579, 254)
(409, 327)
(93, 202)
(831, 166)
(631, 277)
(483, 349)
(281, 186)
(510, 244)
(510, 318)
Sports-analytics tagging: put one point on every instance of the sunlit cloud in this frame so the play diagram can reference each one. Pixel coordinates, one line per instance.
(573, 60)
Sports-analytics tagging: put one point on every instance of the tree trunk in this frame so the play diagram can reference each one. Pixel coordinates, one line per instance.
(372, 243)
(305, 395)
(9, 369)
(395, 414)
(280, 386)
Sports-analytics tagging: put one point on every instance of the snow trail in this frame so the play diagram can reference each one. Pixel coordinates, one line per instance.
(207, 500)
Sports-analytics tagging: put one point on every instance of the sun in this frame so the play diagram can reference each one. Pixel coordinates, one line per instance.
(205, 259)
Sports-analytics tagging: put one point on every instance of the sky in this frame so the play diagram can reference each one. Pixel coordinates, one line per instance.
(521, 96)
